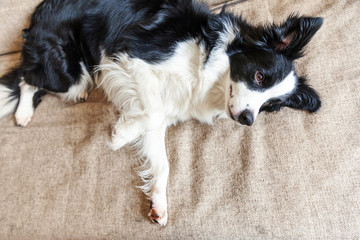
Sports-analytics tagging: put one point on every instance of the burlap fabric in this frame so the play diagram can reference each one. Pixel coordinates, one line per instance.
(292, 175)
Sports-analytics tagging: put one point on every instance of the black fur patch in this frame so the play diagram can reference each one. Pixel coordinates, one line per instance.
(11, 81)
(303, 98)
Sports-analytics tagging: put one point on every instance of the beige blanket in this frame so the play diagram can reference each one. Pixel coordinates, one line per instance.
(291, 175)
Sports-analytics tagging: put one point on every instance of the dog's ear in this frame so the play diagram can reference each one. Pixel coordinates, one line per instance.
(291, 37)
(303, 98)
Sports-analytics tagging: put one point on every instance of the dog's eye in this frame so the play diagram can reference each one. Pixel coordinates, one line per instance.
(259, 77)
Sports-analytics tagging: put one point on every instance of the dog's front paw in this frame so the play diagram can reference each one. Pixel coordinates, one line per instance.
(23, 118)
(158, 214)
(84, 96)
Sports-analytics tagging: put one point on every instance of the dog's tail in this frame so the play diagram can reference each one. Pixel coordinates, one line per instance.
(9, 92)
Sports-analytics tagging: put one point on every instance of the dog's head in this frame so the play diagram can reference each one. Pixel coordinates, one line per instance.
(262, 70)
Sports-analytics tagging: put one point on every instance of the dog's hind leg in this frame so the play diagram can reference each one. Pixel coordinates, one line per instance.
(26, 107)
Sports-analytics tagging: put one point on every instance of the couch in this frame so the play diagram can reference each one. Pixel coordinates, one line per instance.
(292, 175)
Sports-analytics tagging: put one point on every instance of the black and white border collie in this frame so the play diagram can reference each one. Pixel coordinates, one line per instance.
(159, 62)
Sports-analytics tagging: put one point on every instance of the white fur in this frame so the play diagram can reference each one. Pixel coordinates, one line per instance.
(247, 99)
(7, 104)
(80, 90)
(25, 110)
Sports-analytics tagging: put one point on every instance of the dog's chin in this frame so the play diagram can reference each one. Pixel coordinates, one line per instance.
(229, 115)
(227, 108)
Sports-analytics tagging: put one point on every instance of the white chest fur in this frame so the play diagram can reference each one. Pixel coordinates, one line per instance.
(188, 85)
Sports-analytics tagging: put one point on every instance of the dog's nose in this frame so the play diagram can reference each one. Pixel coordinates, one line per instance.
(246, 118)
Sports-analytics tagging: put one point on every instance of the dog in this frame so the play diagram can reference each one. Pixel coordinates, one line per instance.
(159, 62)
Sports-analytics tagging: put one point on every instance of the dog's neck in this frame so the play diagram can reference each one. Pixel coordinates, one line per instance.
(217, 70)
(216, 74)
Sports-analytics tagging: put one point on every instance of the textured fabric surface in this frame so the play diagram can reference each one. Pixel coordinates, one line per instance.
(290, 175)
(14, 15)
